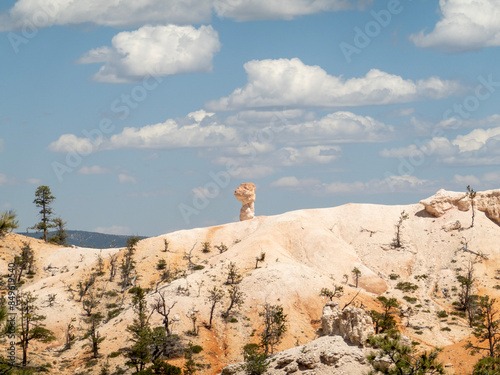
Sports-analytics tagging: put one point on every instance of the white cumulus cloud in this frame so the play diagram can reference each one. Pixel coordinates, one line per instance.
(132, 13)
(197, 129)
(289, 82)
(116, 13)
(246, 10)
(293, 182)
(155, 51)
(465, 25)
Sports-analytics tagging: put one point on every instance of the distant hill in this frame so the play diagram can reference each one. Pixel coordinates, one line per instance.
(90, 239)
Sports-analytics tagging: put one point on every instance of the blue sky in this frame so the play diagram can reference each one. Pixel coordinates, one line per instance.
(144, 117)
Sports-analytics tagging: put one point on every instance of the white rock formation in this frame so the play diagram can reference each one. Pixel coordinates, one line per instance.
(324, 356)
(486, 201)
(352, 323)
(246, 195)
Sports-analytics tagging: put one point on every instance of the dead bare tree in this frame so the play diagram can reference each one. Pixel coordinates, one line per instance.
(161, 307)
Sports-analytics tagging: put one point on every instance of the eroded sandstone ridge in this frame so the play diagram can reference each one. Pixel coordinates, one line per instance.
(246, 195)
(486, 201)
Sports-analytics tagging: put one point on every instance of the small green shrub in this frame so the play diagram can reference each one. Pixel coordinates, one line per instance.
(111, 293)
(114, 313)
(111, 305)
(393, 276)
(206, 247)
(406, 286)
(161, 265)
(445, 329)
(198, 267)
(420, 277)
(410, 299)
(114, 354)
(442, 314)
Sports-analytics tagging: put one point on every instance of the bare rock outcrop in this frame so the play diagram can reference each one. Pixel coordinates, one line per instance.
(246, 195)
(324, 356)
(352, 323)
(486, 201)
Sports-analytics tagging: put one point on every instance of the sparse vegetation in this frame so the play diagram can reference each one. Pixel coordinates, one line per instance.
(30, 323)
(222, 248)
(260, 258)
(406, 286)
(356, 273)
(233, 275)
(397, 240)
(274, 321)
(8, 222)
(403, 359)
(255, 360)
(471, 194)
(206, 247)
(385, 322)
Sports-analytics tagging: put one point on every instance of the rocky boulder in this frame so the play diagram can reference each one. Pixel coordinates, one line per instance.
(246, 195)
(486, 201)
(353, 324)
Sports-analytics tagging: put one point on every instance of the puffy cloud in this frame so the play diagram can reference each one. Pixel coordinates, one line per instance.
(476, 139)
(130, 13)
(478, 147)
(114, 229)
(246, 10)
(95, 169)
(156, 51)
(116, 13)
(465, 25)
(458, 123)
(197, 129)
(289, 82)
(70, 143)
(293, 182)
(289, 156)
(338, 127)
(126, 179)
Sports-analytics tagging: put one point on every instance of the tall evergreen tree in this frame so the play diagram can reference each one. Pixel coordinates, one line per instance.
(43, 200)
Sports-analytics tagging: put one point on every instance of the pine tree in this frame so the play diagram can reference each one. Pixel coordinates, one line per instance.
(139, 355)
(30, 323)
(8, 222)
(43, 200)
(274, 326)
(60, 237)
